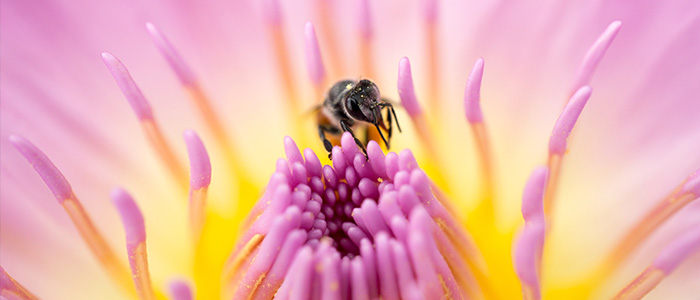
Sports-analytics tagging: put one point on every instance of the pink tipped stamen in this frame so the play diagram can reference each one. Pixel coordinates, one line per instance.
(533, 207)
(407, 96)
(476, 121)
(558, 142)
(61, 189)
(49, 173)
(527, 257)
(196, 93)
(667, 261)
(594, 56)
(180, 290)
(681, 196)
(200, 178)
(143, 112)
(314, 61)
(135, 230)
(132, 92)
(11, 289)
(472, 92)
(182, 70)
(364, 28)
(567, 120)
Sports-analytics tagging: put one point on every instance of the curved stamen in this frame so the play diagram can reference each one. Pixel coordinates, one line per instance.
(527, 258)
(143, 111)
(663, 265)
(61, 189)
(200, 178)
(528, 246)
(594, 56)
(685, 193)
(135, 242)
(476, 121)
(408, 99)
(180, 290)
(9, 287)
(201, 101)
(558, 142)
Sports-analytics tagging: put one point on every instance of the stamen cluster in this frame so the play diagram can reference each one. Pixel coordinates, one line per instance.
(361, 228)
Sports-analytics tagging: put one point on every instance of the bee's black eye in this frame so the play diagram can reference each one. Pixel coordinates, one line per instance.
(353, 108)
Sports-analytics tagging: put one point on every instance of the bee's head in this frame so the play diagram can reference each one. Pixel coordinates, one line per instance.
(362, 102)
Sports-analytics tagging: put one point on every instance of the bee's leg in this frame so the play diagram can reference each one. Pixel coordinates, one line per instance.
(326, 143)
(345, 127)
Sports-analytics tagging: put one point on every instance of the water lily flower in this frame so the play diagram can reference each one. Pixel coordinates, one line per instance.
(549, 150)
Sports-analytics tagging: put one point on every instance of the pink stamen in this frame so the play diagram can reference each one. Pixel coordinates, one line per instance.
(681, 196)
(180, 290)
(472, 104)
(135, 242)
(200, 178)
(407, 95)
(527, 256)
(200, 166)
(678, 250)
(182, 70)
(533, 207)
(10, 288)
(132, 92)
(567, 120)
(63, 192)
(432, 58)
(667, 261)
(143, 112)
(359, 288)
(199, 98)
(594, 56)
(314, 61)
(52, 177)
(558, 142)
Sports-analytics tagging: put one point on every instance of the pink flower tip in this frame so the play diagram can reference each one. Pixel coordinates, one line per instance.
(567, 120)
(130, 215)
(49, 173)
(200, 166)
(314, 62)
(533, 195)
(405, 86)
(183, 72)
(129, 88)
(472, 92)
(678, 250)
(180, 289)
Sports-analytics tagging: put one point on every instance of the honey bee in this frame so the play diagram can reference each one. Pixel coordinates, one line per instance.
(354, 105)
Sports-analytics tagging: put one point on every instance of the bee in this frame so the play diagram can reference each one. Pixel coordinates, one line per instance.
(354, 104)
